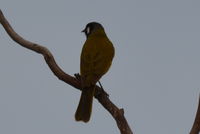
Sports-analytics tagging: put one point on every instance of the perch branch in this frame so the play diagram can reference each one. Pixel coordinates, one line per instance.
(196, 125)
(102, 97)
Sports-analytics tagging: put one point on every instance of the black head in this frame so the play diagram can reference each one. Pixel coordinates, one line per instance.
(91, 27)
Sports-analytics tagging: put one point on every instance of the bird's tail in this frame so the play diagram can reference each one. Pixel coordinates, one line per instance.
(84, 109)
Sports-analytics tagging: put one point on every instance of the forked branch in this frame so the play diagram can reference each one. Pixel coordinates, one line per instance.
(100, 95)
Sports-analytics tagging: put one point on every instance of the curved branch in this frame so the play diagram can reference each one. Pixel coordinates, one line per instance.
(100, 95)
(196, 125)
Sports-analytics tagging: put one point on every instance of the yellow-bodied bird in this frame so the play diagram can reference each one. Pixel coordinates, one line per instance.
(96, 59)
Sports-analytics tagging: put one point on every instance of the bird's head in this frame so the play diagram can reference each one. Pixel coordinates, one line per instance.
(92, 27)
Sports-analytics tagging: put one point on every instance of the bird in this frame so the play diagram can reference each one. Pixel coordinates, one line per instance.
(95, 60)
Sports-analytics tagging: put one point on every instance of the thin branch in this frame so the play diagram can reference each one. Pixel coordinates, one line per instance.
(100, 95)
(196, 125)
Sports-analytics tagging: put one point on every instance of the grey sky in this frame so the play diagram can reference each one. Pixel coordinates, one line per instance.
(155, 75)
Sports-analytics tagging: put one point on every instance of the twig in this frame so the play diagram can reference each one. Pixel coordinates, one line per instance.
(117, 114)
(196, 125)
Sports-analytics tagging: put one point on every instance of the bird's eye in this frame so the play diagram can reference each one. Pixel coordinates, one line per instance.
(88, 30)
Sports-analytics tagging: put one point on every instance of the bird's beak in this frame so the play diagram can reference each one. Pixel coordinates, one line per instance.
(83, 30)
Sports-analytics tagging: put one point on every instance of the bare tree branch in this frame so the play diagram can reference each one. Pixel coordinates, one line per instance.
(196, 126)
(100, 95)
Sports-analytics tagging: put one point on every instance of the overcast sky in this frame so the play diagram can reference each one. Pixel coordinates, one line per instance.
(155, 74)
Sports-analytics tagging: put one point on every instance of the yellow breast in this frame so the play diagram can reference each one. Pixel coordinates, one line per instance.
(96, 57)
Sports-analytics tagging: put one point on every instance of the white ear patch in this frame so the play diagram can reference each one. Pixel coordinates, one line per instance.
(88, 30)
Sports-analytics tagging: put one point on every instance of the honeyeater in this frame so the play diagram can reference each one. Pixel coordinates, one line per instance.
(96, 58)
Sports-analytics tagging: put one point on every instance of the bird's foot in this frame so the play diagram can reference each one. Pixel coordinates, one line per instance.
(77, 76)
(102, 89)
